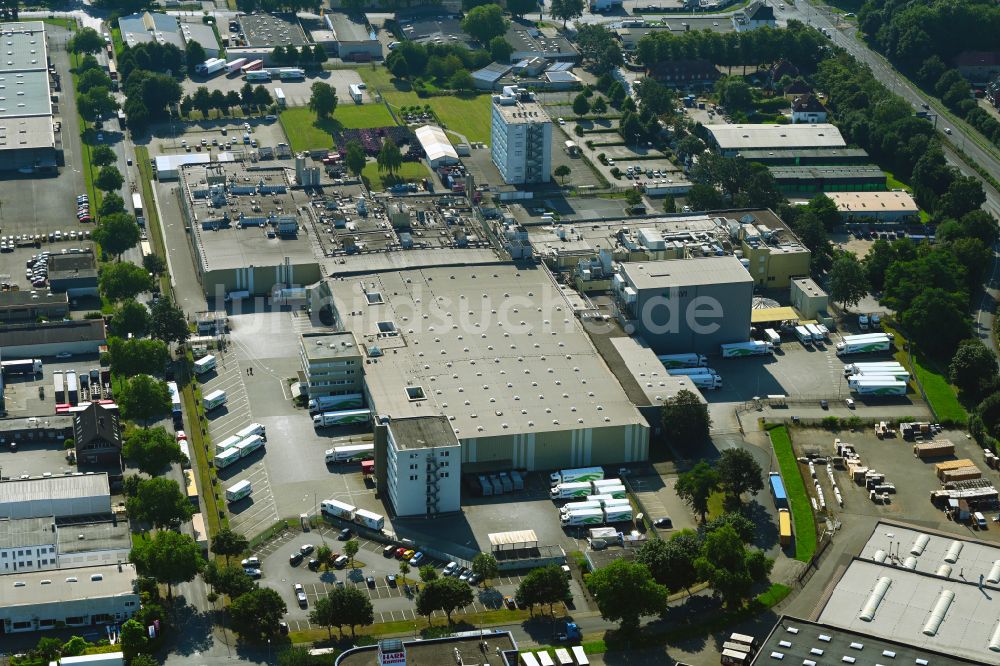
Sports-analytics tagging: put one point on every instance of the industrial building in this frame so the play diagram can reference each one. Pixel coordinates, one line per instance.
(25, 306)
(930, 590)
(808, 298)
(168, 167)
(731, 140)
(248, 229)
(422, 466)
(808, 157)
(796, 641)
(74, 274)
(432, 25)
(76, 336)
(261, 33)
(28, 140)
(436, 145)
(332, 364)
(461, 649)
(97, 435)
(807, 181)
(33, 430)
(58, 496)
(93, 595)
(521, 138)
(38, 544)
(689, 305)
(531, 42)
(354, 38)
(203, 34)
(149, 27)
(895, 206)
(496, 349)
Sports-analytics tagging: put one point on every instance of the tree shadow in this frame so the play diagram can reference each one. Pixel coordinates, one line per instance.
(193, 627)
(765, 533)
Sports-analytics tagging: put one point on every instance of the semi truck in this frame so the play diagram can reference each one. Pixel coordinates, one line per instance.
(214, 400)
(330, 403)
(682, 360)
(228, 443)
(580, 506)
(238, 491)
(864, 344)
(618, 514)
(772, 337)
(336, 509)
(817, 335)
(58, 387)
(572, 489)
(868, 368)
(345, 417)
(691, 372)
(710, 382)
(204, 364)
(279, 97)
(252, 66)
(258, 76)
(72, 387)
(778, 490)
(226, 458)
(253, 429)
(28, 366)
(249, 445)
(234, 66)
(894, 375)
(210, 66)
(368, 519)
(291, 74)
(748, 348)
(804, 336)
(785, 527)
(584, 517)
(606, 493)
(175, 404)
(341, 454)
(879, 388)
(577, 474)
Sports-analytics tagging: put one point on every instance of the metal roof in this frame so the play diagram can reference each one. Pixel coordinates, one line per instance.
(54, 487)
(874, 202)
(435, 143)
(741, 137)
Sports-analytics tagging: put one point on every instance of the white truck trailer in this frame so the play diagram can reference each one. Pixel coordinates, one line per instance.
(584, 517)
(337, 509)
(748, 348)
(864, 344)
(370, 520)
(572, 489)
(710, 382)
(204, 364)
(331, 403)
(804, 336)
(690, 372)
(577, 474)
(879, 387)
(682, 360)
(238, 491)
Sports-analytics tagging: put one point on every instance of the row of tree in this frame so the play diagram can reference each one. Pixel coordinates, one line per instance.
(205, 100)
(441, 62)
(306, 57)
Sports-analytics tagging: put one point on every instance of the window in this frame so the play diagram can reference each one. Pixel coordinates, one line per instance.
(415, 393)
(413, 477)
(374, 298)
(129, 604)
(386, 327)
(413, 466)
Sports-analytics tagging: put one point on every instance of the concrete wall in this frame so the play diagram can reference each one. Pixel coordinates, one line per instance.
(258, 280)
(669, 332)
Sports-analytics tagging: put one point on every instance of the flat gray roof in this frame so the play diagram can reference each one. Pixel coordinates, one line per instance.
(358, 264)
(322, 346)
(18, 133)
(23, 47)
(436, 652)
(521, 112)
(496, 348)
(827, 171)
(26, 532)
(777, 153)
(54, 586)
(149, 27)
(795, 639)
(84, 537)
(726, 269)
(272, 30)
(12, 299)
(749, 136)
(423, 432)
(349, 28)
(54, 487)
(16, 335)
(641, 365)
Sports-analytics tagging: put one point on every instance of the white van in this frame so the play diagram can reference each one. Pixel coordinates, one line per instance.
(980, 520)
(238, 491)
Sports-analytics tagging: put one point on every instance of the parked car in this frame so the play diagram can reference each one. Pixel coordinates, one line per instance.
(341, 561)
(509, 602)
(417, 558)
(370, 580)
(294, 559)
(253, 573)
(665, 522)
(408, 554)
(305, 549)
(475, 578)
(389, 551)
(390, 580)
(345, 534)
(251, 563)
(300, 594)
(313, 564)
(450, 568)
(464, 574)
(400, 552)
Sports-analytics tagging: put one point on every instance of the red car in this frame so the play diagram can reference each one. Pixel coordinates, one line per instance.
(400, 552)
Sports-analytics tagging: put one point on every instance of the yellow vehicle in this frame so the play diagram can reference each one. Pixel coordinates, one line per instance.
(785, 527)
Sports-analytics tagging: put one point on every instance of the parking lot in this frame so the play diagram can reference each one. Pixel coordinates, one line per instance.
(297, 93)
(625, 156)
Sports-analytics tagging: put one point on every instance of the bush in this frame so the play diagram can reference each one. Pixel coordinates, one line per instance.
(830, 422)
(69, 443)
(93, 315)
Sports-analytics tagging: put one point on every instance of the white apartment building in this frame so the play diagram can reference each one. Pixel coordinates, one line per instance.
(332, 364)
(423, 466)
(521, 138)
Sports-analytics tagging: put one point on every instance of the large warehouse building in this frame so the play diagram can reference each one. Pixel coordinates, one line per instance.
(56, 496)
(685, 305)
(27, 134)
(498, 351)
(734, 139)
(76, 336)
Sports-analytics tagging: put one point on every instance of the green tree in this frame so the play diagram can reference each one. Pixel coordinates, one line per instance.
(353, 608)
(625, 591)
(151, 449)
(566, 10)
(521, 7)
(730, 568)
(324, 555)
(86, 40)
(543, 586)
(169, 557)
(685, 419)
(936, 321)
(696, 485)
(562, 172)
(581, 106)
(194, 55)
(228, 543)
(154, 264)
(743, 526)
(297, 656)
(143, 660)
(500, 48)
(96, 103)
(117, 233)
(669, 204)
(389, 159)
(825, 211)
(404, 568)
(689, 146)
(160, 502)
(599, 46)
(133, 639)
(462, 80)
(428, 573)
(355, 158)
(671, 561)
(137, 356)
(256, 614)
(228, 579)
(351, 549)
(973, 367)
(443, 594)
(324, 614)
(144, 397)
(47, 649)
(102, 155)
(167, 322)
(485, 566)
(74, 647)
(599, 106)
(121, 280)
(323, 100)
(130, 318)
(93, 78)
(109, 179)
(704, 197)
(848, 282)
(734, 93)
(739, 473)
(485, 22)
(111, 204)
(633, 198)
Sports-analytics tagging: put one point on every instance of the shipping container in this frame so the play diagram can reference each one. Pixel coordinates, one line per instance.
(785, 527)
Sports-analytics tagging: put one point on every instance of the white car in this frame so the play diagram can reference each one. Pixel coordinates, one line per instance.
(451, 568)
(393, 45)
(64, 355)
(561, 121)
(300, 594)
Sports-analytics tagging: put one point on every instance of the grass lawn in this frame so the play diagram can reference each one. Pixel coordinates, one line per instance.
(716, 505)
(798, 499)
(410, 171)
(468, 115)
(941, 395)
(305, 131)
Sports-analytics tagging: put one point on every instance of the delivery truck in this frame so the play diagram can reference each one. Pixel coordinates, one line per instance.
(580, 506)
(748, 348)
(785, 527)
(72, 387)
(331, 403)
(210, 66)
(345, 417)
(682, 360)
(368, 519)
(584, 517)
(709, 382)
(618, 514)
(279, 97)
(28, 366)
(578, 474)
(864, 344)
(572, 489)
(249, 445)
(214, 400)
(175, 404)
(879, 388)
(772, 337)
(817, 335)
(778, 490)
(238, 491)
(336, 509)
(226, 458)
(234, 66)
(691, 372)
(204, 364)
(253, 429)
(228, 443)
(342, 454)
(869, 368)
(804, 336)
(258, 76)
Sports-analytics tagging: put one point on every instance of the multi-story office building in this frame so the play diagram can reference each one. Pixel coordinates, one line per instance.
(423, 463)
(332, 364)
(521, 135)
